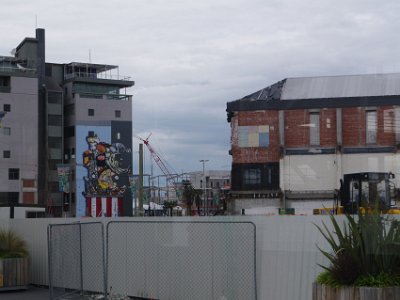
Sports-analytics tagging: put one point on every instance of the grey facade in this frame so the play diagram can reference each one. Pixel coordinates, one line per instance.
(18, 133)
(54, 108)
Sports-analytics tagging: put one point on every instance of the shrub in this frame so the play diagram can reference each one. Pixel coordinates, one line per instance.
(12, 245)
(365, 250)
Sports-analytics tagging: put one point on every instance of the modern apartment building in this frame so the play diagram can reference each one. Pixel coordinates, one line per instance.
(77, 120)
(292, 142)
(18, 132)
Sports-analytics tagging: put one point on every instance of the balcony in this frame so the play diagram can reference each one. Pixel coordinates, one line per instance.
(11, 65)
(90, 75)
(96, 73)
(105, 96)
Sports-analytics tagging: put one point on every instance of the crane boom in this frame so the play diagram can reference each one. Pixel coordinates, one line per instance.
(171, 179)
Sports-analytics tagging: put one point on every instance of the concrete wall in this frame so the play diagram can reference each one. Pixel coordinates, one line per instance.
(309, 172)
(22, 143)
(286, 251)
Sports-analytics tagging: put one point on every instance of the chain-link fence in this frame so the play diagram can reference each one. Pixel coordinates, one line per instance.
(76, 260)
(153, 260)
(181, 260)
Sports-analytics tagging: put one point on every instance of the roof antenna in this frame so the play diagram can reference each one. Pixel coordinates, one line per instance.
(35, 21)
(90, 56)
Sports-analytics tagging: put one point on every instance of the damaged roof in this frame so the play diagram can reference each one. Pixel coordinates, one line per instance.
(324, 91)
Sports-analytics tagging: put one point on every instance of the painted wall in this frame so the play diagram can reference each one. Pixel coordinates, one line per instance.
(81, 132)
(104, 163)
(323, 172)
(309, 172)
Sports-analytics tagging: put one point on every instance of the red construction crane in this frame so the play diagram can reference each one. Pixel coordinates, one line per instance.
(171, 179)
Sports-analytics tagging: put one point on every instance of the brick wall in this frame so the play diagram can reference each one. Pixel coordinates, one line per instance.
(297, 133)
(386, 126)
(328, 128)
(353, 127)
(258, 154)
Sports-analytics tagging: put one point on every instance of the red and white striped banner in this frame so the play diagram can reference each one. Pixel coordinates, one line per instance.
(104, 206)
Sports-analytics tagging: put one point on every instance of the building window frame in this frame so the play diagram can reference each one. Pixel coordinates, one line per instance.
(6, 154)
(7, 107)
(118, 114)
(91, 112)
(7, 130)
(314, 125)
(371, 126)
(13, 174)
(252, 176)
(5, 84)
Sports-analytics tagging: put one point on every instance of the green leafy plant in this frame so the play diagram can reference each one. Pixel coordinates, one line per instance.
(365, 249)
(12, 245)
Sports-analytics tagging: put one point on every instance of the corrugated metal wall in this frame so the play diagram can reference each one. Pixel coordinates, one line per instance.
(286, 251)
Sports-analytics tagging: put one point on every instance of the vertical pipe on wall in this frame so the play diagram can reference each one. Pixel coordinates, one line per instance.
(339, 141)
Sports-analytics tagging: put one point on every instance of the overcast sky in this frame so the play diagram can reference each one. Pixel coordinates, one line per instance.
(189, 58)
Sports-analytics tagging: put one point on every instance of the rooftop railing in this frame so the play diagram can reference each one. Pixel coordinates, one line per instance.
(105, 96)
(12, 69)
(96, 76)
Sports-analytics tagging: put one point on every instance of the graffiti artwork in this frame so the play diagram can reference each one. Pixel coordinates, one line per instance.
(105, 166)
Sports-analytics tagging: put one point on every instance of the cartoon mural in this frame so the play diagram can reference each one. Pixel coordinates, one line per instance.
(105, 166)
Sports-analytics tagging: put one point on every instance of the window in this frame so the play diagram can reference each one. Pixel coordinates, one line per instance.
(371, 126)
(314, 129)
(91, 112)
(13, 174)
(28, 183)
(48, 70)
(7, 107)
(69, 131)
(66, 154)
(5, 86)
(54, 97)
(69, 109)
(6, 154)
(9, 197)
(72, 152)
(54, 120)
(118, 135)
(252, 176)
(28, 197)
(7, 130)
(118, 114)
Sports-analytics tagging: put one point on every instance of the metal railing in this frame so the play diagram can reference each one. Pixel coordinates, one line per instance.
(96, 76)
(21, 70)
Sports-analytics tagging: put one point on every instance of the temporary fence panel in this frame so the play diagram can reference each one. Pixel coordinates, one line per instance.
(76, 259)
(182, 260)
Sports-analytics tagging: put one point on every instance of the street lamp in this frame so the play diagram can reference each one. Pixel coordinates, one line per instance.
(204, 187)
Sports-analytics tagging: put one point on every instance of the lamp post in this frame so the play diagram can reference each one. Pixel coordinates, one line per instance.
(204, 187)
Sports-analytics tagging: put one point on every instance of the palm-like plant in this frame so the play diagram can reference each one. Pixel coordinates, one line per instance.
(170, 205)
(365, 246)
(12, 245)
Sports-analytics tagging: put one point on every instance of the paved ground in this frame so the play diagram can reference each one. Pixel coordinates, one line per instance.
(32, 293)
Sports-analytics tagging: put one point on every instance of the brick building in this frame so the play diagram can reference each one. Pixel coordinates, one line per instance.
(293, 141)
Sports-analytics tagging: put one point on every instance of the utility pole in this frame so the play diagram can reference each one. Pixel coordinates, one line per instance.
(205, 204)
(140, 187)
